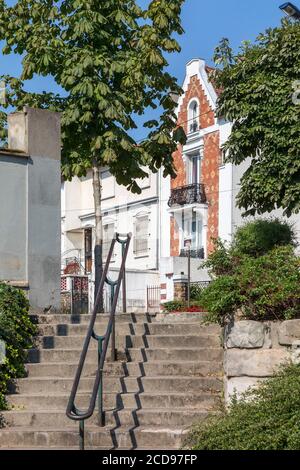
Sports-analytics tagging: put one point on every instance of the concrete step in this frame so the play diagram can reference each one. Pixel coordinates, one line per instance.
(188, 354)
(113, 384)
(121, 369)
(101, 317)
(45, 419)
(58, 401)
(127, 328)
(156, 417)
(132, 354)
(134, 341)
(108, 437)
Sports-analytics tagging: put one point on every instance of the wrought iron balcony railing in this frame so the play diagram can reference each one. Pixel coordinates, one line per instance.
(193, 193)
(197, 254)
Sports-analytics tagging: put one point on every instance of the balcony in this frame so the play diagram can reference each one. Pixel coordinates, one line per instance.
(196, 254)
(185, 195)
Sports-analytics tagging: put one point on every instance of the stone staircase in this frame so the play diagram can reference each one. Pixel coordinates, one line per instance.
(168, 376)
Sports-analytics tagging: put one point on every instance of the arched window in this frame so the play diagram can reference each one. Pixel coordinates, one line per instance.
(193, 116)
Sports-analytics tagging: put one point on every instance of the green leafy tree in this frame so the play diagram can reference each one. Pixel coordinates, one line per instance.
(109, 58)
(259, 94)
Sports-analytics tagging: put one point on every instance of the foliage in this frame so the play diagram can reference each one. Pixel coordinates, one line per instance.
(181, 306)
(109, 58)
(258, 276)
(17, 331)
(266, 418)
(253, 239)
(260, 236)
(258, 86)
(196, 290)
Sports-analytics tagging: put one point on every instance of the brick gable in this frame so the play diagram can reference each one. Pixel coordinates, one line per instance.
(210, 162)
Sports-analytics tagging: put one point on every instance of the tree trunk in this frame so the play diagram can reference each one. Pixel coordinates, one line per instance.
(98, 265)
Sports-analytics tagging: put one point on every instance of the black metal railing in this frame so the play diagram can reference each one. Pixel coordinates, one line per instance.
(199, 253)
(190, 194)
(153, 297)
(72, 411)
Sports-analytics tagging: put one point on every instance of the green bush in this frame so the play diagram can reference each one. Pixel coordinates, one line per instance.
(258, 237)
(17, 331)
(264, 288)
(179, 306)
(266, 418)
(258, 276)
(253, 239)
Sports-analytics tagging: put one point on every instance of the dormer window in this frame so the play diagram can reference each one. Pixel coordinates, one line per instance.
(193, 115)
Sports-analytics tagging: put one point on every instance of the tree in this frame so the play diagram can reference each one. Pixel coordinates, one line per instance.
(259, 94)
(108, 56)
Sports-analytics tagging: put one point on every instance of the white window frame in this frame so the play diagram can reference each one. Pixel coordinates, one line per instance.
(144, 252)
(191, 118)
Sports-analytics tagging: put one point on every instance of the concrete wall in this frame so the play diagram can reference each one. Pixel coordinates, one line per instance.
(13, 217)
(255, 350)
(30, 218)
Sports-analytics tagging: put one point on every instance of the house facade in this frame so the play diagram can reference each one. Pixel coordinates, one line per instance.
(199, 206)
(193, 209)
(167, 212)
(122, 212)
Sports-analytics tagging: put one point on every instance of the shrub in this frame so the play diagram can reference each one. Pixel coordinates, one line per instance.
(258, 276)
(173, 306)
(260, 236)
(253, 239)
(17, 331)
(266, 418)
(181, 306)
(264, 288)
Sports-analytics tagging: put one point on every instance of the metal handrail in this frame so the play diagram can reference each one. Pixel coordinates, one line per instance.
(72, 411)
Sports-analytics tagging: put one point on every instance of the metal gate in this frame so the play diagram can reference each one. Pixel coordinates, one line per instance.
(153, 298)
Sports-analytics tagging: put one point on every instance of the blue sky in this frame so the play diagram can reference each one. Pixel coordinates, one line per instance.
(205, 23)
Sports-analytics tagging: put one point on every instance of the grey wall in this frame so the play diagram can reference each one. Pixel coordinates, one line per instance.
(30, 179)
(13, 218)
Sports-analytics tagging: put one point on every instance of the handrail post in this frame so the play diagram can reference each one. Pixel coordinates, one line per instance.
(81, 434)
(124, 283)
(100, 390)
(113, 331)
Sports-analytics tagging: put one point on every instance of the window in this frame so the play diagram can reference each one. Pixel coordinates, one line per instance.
(223, 154)
(88, 250)
(108, 233)
(193, 116)
(108, 185)
(195, 169)
(141, 235)
(193, 230)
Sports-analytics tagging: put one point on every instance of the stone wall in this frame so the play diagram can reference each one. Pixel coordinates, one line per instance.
(254, 350)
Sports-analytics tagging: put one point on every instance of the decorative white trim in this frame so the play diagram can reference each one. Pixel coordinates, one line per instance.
(197, 67)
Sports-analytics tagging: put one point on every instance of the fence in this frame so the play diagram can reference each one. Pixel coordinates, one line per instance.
(197, 287)
(75, 294)
(153, 298)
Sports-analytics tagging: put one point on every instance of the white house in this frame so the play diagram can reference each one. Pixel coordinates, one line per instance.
(198, 205)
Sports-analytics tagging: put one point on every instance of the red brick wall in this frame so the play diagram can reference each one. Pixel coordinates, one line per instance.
(210, 178)
(210, 162)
